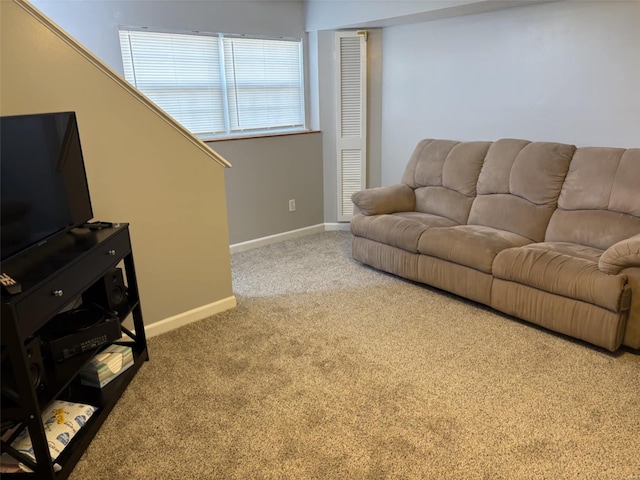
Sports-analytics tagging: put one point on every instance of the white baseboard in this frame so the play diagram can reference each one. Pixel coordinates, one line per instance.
(228, 303)
(190, 316)
(333, 227)
(279, 237)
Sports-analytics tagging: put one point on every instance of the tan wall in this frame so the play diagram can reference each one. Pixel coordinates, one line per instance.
(140, 168)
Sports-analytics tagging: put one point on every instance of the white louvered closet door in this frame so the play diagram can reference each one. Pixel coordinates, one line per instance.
(351, 135)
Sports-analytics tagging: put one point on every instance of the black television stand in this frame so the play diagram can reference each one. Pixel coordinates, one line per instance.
(53, 278)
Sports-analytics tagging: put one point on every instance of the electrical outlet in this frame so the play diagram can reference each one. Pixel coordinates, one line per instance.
(292, 205)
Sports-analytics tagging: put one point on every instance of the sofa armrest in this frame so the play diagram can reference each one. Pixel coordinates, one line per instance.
(621, 255)
(381, 200)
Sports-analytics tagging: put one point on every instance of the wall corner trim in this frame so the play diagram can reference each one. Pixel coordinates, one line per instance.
(115, 77)
(190, 316)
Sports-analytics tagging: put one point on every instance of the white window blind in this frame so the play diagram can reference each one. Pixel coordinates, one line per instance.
(218, 85)
(264, 83)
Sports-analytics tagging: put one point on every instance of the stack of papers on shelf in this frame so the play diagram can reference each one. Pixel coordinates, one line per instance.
(106, 366)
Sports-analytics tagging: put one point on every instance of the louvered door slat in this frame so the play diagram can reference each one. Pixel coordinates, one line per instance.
(351, 168)
(351, 109)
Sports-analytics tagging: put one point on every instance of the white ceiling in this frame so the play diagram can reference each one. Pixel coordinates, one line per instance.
(337, 14)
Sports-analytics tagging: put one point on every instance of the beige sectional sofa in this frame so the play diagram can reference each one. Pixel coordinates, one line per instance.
(546, 232)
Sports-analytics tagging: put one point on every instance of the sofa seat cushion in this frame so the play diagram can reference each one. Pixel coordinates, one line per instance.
(473, 246)
(401, 230)
(562, 268)
(427, 218)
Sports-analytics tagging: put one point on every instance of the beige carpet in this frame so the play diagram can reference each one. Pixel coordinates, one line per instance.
(330, 370)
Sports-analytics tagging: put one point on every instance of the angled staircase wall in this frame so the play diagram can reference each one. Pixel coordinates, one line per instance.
(142, 167)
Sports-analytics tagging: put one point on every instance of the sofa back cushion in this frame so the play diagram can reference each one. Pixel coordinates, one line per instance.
(599, 204)
(443, 174)
(519, 185)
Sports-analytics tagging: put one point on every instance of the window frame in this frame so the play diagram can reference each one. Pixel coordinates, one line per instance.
(229, 133)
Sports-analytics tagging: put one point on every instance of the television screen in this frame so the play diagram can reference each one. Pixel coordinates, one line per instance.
(43, 187)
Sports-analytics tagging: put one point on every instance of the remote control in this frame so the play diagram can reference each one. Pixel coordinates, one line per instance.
(98, 225)
(9, 284)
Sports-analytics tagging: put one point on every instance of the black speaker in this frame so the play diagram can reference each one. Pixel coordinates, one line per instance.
(36, 367)
(109, 292)
(36, 370)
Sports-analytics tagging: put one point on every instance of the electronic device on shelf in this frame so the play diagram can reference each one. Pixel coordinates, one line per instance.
(77, 331)
(109, 292)
(44, 190)
(97, 225)
(37, 375)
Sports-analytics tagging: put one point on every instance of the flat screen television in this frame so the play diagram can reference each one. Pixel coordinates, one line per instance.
(43, 183)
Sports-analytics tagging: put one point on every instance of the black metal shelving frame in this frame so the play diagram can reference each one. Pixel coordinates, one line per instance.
(68, 265)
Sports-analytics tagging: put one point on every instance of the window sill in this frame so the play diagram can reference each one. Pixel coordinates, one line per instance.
(262, 135)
